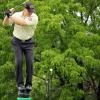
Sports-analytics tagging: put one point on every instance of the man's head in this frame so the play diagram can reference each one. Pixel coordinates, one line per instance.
(29, 7)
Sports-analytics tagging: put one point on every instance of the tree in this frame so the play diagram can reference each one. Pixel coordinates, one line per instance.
(67, 49)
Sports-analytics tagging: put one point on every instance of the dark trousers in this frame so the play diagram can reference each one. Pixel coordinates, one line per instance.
(26, 48)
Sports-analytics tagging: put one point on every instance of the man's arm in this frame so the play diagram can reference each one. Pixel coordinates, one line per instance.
(6, 21)
(18, 20)
(14, 19)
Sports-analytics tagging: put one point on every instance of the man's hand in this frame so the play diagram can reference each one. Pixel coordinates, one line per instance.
(9, 12)
(12, 10)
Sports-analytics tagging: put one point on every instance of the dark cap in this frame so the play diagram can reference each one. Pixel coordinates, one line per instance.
(29, 6)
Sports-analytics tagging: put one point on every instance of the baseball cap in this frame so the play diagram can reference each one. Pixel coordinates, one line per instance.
(29, 6)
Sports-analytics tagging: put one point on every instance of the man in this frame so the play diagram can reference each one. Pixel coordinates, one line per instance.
(24, 26)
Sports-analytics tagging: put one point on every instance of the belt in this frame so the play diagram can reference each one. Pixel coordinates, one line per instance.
(22, 40)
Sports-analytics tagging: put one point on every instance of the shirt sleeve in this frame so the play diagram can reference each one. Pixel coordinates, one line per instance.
(33, 20)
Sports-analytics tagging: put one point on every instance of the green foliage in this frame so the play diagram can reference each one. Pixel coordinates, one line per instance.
(67, 42)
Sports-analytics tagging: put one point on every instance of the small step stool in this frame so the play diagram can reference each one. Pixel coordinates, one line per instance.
(24, 98)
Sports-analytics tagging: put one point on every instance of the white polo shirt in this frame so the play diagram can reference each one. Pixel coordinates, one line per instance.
(25, 32)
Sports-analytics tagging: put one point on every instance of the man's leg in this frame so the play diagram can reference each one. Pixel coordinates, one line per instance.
(18, 62)
(29, 64)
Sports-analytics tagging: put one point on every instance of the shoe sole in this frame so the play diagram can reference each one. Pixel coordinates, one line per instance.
(24, 95)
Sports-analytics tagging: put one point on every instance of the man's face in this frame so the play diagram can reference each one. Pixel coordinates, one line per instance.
(26, 12)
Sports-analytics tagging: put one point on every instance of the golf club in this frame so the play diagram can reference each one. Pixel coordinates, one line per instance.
(16, 7)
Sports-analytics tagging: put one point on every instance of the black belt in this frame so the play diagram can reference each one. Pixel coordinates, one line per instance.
(22, 40)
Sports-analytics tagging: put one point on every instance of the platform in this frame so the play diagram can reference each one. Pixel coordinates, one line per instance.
(24, 98)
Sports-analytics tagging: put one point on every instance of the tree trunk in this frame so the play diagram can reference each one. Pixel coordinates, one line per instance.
(98, 92)
(80, 86)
